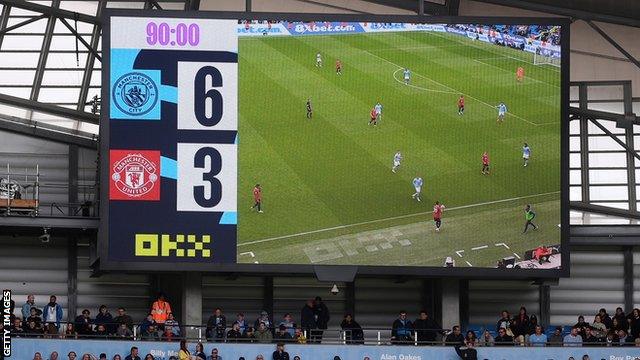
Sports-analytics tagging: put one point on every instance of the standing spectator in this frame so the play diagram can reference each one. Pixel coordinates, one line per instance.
(307, 317)
(538, 338)
(263, 335)
(486, 339)
(426, 329)
(599, 325)
(26, 308)
(280, 354)
(520, 325)
(123, 318)
(105, 318)
(52, 314)
(505, 321)
(183, 353)
(556, 338)
(84, 323)
(288, 323)
(149, 321)
(214, 355)
(242, 324)
(123, 331)
(634, 323)
(199, 353)
(133, 354)
(173, 323)
(455, 337)
(216, 325)
(299, 336)
(266, 319)
(234, 334)
(352, 330)
(322, 317)
(573, 338)
(282, 334)
(621, 320)
(503, 339)
(605, 318)
(160, 309)
(401, 329)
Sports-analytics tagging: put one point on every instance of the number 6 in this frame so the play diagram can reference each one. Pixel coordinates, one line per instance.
(201, 95)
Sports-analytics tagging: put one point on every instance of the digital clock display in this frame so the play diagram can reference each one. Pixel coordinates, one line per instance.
(164, 34)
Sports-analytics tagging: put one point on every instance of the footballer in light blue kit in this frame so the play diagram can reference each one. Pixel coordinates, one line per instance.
(378, 108)
(526, 153)
(502, 111)
(318, 60)
(407, 76)
(397, 158)
(417, 184)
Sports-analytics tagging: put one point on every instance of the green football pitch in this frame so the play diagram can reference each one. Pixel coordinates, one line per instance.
(329, 195)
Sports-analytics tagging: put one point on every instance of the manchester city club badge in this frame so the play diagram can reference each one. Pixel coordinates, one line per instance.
(135, 93)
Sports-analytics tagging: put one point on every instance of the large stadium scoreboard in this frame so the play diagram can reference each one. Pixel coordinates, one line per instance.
(170, 140)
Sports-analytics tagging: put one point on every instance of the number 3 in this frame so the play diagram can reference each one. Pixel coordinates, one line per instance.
(215, 187)
(201, 95)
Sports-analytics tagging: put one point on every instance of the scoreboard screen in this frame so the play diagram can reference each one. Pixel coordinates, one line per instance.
(395, 144)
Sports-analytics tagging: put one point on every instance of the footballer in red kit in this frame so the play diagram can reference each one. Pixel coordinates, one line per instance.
(520, 74)
(461, 105)
(374, 117)
(485, 163)
(437, 214)
(338, 67)
(257, 198)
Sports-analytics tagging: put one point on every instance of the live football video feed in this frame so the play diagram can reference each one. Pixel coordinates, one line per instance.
(335, 143)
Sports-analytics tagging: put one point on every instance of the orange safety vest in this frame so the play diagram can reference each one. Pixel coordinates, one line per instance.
(160, 311)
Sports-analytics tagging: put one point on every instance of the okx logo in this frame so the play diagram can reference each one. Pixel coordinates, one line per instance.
(134, 175)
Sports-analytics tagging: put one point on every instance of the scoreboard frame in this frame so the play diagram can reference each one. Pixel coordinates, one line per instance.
(104, 262)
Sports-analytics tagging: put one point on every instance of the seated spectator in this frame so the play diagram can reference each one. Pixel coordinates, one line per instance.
(581, 324)
(123, 318)
(102, 356)
(216, 325)
(299, 336)
(26, 308)
(184, 353)
(234, 334)
(53, 356)
(556, 338)
(105, 318)
(150, 334)
(124, 331)
(636, 342)
(69, 332)
(282, 334)
(199, 353)
(426, 329)
(505, 321)
(214, 355)
(352, 330)
(573, 338)
(167, 334)
(101, 331)
(455, 337)
(533, 322)
(538, 338)
(249, 335)
(133, 354)
(87, 356)
(160, 309)
(266, 319)
(34, 316)
(467, 352)
(242, 323)
(149, 357)
(72, 355)
(263, 335)
(503, 339)
(605, 318)
(624, 340)
(33, 330)
(16, 329)
(173, 323)
(599, 326)
(471, 337)
(37, 356)
(148, 321)
(280, 354)
(116, 357)
(591, 339)
(486, 339)
(401, 329)
(83, 323)
(288, 323)
(612, 338)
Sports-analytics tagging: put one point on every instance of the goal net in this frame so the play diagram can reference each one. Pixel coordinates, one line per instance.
(539, 58)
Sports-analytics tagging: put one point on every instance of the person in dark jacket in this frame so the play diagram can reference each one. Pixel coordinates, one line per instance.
(505, 320)
(426, 328)
(503, 339)
(634, 323)
(105, 318)
(280, 354)
(581, 324)
(84, 323)
(520, 324)
(352, 330)
(321, 313)
(234, 334)
(605, 318)
(455, 337)
(402, 329)
(216, 325)
(621, 320)
(123, 318)
(307, 318)
(467, 352)
(282, 334)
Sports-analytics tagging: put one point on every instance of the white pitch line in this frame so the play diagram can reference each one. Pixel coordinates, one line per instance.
(393, 218)
(250, 253)
(468, 263)
(418, 87)
(459, 252)
(480, 247)
(518, 256)
(457, 91)
(503, 244)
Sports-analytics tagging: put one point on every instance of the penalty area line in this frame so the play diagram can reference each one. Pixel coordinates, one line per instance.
(393, 218)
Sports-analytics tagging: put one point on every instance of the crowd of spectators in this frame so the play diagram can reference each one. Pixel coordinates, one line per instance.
(160, 325)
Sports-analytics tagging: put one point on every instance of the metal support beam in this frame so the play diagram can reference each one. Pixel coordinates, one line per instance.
(628, 278)
(545, 304)
(247, 5)
(605, 210)
(48, 132)
(4, 19)
(629, 150)
(48, 109)
(630, 144)
(88, 67)
(603, 115)
(5, 30)
(464, 303)
(267, 295)
(421, 7)
(72, 178)
(72, 278)
(584, 144)
(350, 297)
(192, 5)
(42, 60)
(614, 43)
(72, 223)
(81, 39)
(51, 11)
